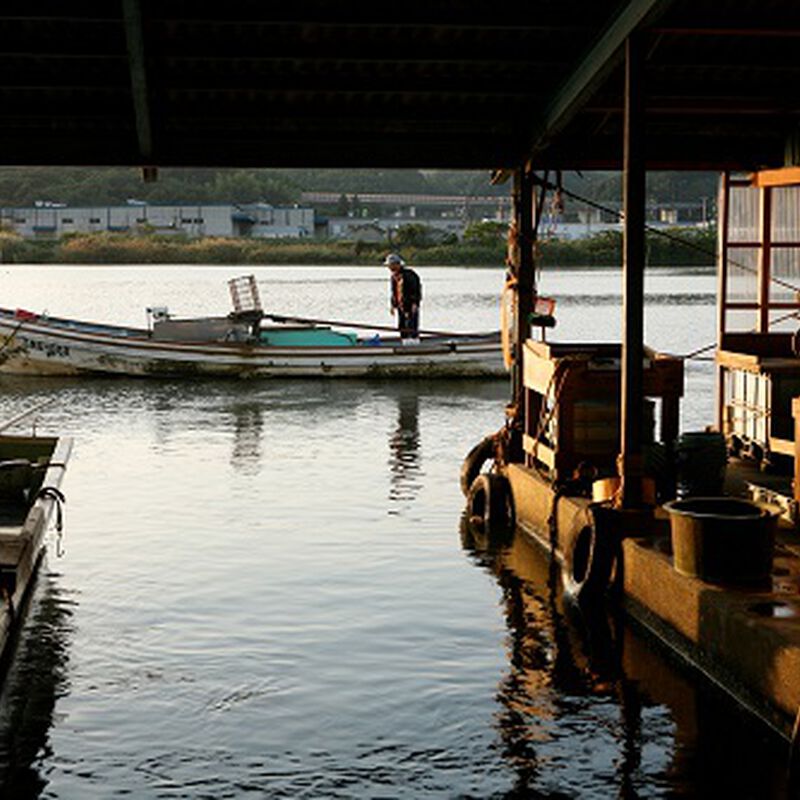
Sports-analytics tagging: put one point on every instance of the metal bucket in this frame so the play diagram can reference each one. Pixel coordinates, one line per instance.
(700, 460)
(722, 539)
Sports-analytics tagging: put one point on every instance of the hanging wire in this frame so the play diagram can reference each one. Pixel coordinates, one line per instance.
(662, 233)
(559, 189)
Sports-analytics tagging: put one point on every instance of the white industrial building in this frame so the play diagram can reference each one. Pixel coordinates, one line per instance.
(253, 220)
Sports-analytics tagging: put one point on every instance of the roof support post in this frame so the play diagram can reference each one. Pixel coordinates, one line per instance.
(632, 400)
(524, 276)
(520, 265)
(764, 257)
(137, 66)
(723, 215)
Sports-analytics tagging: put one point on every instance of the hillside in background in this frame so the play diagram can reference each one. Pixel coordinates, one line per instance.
(82, 186)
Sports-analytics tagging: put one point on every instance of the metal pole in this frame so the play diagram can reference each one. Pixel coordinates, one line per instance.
(633, 277)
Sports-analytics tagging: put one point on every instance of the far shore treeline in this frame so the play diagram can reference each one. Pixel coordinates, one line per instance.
(680, 247)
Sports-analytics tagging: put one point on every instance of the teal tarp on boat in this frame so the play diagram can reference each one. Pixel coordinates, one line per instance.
(306, 337)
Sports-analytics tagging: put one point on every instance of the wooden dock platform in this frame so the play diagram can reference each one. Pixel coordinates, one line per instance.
(744, 638)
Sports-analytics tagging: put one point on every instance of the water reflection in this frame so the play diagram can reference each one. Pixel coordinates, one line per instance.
(590, 706)
(36, 679)
(248, 431)
(404, 456)
(651, 299)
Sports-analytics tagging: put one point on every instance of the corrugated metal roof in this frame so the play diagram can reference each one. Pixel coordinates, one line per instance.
(440, 83)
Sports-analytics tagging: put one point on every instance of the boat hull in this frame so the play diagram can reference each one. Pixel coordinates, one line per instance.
(23, 527)
(42, 346)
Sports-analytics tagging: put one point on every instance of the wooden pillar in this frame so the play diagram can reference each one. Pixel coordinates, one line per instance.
(631, 422)
(524, 273)
(764, 257)
(525, 276)
(723, 205)
(670, 418)
(796, 415)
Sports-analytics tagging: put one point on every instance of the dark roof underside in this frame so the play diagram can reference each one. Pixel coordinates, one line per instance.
(438, 83)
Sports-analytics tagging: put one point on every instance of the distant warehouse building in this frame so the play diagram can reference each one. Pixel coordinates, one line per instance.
(253, 220)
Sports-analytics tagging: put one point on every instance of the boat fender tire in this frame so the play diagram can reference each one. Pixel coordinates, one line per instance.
(490, 504)
(588, 567)
(474, 462)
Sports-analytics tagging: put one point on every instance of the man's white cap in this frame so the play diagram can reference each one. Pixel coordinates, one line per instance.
(393, 259)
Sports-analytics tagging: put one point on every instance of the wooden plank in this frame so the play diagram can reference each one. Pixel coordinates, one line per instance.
(138, 71)
(537, 372)
(786, 176)
(600, 60)
(542, 452)
(754, 363)
(796, 454)
(783, 446)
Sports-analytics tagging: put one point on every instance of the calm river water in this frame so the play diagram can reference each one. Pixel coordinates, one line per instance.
(266, 590)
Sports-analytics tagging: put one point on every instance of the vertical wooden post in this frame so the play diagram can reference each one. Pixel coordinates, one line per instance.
(525, 277)
(524, 273)
(796, 415)
(633, 278)
(764, 258)
(723, 205)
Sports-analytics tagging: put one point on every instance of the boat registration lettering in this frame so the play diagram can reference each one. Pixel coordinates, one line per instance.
(48, 348)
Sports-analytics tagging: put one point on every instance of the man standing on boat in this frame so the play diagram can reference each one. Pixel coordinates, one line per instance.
(406, 295)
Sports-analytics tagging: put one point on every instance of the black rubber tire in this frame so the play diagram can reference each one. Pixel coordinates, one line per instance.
(490, 505)
(474, 462)
(587, 570)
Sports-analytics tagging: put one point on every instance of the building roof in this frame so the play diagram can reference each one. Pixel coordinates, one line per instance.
(439, 83)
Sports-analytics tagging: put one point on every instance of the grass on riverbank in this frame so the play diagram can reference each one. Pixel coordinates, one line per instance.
(602, 249)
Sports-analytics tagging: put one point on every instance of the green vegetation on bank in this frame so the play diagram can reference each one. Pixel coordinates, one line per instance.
(84, 186)
(684, 247)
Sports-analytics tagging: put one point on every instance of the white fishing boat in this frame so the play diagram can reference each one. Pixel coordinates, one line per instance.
(246, 343)
(31, 470)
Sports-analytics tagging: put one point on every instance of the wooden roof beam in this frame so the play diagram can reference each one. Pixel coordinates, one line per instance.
(136, 60)
(787, 176)
(601, 58)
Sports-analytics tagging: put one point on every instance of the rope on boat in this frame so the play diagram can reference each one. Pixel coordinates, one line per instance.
(57, 496)
(556, 383)
(508, 304)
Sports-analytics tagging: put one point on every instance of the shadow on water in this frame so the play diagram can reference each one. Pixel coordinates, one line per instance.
(598, 684)
(36, 678)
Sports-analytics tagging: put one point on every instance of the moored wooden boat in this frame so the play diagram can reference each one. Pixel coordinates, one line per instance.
(37, 345)
(231, 347)
(31, 470)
